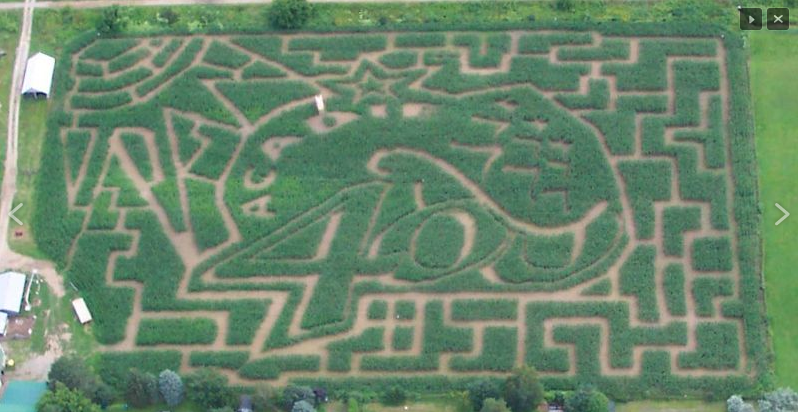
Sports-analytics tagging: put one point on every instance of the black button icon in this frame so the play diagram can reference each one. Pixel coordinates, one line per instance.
(750, 18)
(778, 18)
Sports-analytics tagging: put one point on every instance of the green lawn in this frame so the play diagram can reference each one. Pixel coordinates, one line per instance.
(774, 57)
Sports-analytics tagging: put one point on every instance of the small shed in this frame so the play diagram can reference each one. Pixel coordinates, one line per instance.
(12, 288)
(38, 75)
(3, 323)
(81, 310)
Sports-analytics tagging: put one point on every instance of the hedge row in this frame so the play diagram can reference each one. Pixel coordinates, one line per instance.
(498, 352)
(399, 59)
(180, 63)
(646, 181)
(256, 99)
(160, 59)
(219, 359)
(136, 148)
(637, 278)
(168, 196)
(217, 155)
(222, 55)
(340, 352)
(100, 102)
(77, 143)
(102, 217)
(177, 331)
(128, 60)
(712, 254)
(129, 195)
(334, 48)
(673, 285)
(405, 310)
(706, 289)
(271, 367)
(96, 84)
(206, 220)
(402, 338)
(259, 69)
(676, 220)
(107, 49)
(377, 310)
(496, 46)
(89, 69)
(420, 40)
(483, 309)
(718, 347)
(541, 43)
(609, 49)
(271, 48)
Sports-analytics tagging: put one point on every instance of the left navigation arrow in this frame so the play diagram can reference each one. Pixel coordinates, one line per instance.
(11, 214)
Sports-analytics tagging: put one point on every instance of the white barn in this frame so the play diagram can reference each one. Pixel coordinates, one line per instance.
(81, 310)
(12, 289)
(38, 75)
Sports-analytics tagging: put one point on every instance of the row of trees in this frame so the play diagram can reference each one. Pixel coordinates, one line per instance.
(283, 14)
(523, 392)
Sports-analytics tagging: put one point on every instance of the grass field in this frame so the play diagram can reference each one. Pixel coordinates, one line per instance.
(773, 58)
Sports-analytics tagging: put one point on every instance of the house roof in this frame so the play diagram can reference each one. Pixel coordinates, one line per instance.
(38, 74)
(79, 305)
(12, 288)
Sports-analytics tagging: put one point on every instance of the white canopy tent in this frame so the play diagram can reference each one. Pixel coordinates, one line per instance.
(3, 325)
(81, 310)
(38, 75)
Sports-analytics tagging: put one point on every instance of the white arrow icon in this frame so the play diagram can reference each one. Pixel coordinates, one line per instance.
(751, 20)
(11, 214)
(783, 210)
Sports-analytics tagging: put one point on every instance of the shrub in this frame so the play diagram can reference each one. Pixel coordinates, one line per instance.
(394, 396)
(780, 400)
(112, 20)
(170, 385)
(481, 390)
(208, 389)
(522, 390)
(736, 404)
(586, 399)
(290, 14)
(141, 389)
(294, 393)
(73, 373)
(493, 309)
(494, 405)
(303, 406)
(61, 398)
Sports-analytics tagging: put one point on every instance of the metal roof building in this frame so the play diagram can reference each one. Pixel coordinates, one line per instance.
(38, 75)
(12, 289)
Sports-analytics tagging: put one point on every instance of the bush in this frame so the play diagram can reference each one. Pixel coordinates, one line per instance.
(522, 390)
(294, 393)
(736, 404)
(586, 399)
(780, 400)
(141, 389)
(208, 389)
(394, 396)
(482, 389)
(290, 14)
(170, 385)
(494, 405)
(112, 20)
(73, 373)
(303, 406)
(61, 398)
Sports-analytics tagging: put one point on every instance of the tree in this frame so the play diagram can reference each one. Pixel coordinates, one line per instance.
(168, 16)
(522, 390)
(294, 393)
(482, 389)
(104, 395)
(736, 404)
(780, 400)
(112, 20)
(63, 399)
(303, 406)
(208, 388)
(74, 374)
(587, 399)
(494, 405)
(394, 396)
(171, 387)
(141, 389)
(290, 14)
(265, 399)
(564, 5)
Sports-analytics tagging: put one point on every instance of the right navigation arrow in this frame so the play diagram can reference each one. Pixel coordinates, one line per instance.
(783, 210)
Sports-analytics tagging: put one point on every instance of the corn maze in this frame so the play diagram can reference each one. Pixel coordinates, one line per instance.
(466, 203)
